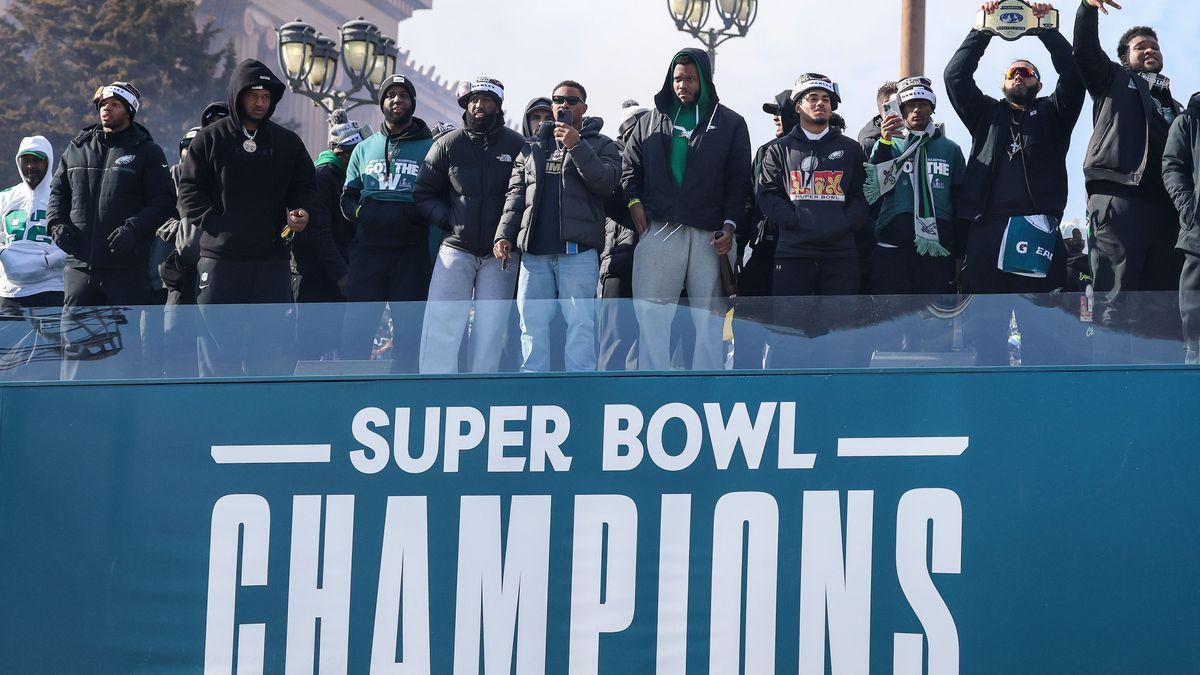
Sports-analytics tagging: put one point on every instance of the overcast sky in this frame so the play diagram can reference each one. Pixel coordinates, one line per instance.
(620, 49)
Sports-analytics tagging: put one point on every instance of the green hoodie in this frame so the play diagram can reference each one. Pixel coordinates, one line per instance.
(685, 118)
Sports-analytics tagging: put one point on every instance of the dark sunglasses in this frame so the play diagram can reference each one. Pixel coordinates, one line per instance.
(569, 100)
(1021, 71)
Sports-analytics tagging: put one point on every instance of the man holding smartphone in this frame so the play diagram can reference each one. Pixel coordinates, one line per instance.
(687, 179)
(554, 214)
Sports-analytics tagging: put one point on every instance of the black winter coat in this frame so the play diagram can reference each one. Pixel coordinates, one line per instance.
(1181, 174)
(717, 181)
(463, 182)
(589, 174)
(1045, 131)
(105, 181)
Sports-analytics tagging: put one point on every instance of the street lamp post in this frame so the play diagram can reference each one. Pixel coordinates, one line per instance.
(912, 38)
(309, 61)
(691, 15)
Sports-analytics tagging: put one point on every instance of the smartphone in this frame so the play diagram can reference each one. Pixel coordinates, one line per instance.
(892, 106)
(565, 116)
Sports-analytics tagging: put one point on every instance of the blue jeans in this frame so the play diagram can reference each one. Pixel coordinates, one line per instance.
(466, 289)
(572, 281)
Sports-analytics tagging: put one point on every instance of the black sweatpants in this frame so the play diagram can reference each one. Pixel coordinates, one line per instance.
(795, 312)
(835, 275)
(1133, 250)
(248, 315)
(903, 271)
(752, 312)
(386, 275)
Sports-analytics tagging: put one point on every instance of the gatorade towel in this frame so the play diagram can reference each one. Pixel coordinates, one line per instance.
(1028, 246)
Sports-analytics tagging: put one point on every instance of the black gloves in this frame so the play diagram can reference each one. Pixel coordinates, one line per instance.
(123, 240)
(66, 237)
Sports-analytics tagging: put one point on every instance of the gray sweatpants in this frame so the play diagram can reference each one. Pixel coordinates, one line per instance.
(670, 258)
(459, 277)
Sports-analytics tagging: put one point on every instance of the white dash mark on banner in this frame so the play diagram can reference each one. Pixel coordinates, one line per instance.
(917, 446)
(271, 454)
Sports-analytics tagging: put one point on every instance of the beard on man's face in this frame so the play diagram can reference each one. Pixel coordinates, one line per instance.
(481, 123)
(396, 121)
(1021, 94)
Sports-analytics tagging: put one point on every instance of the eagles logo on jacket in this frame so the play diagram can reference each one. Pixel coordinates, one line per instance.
(813, 191)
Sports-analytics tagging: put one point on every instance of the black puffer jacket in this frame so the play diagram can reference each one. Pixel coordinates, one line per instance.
(105, 181)
(240, 199)
(1181, 174)
(589, 174)
(717, 179)
(462, 185)
(1045, 131)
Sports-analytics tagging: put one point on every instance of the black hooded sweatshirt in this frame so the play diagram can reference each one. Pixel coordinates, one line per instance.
(241, 199)
(717, 178)
(813, 192)
(105, 181)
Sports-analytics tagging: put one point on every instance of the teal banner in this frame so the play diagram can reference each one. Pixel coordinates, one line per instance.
(1013, 520)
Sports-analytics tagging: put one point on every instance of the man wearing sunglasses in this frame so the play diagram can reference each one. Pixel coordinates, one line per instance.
(1015, 186)
(687, 179)
(555, 215)
(1134, 224)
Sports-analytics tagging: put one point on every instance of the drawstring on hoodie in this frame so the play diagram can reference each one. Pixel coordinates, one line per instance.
(660, 230)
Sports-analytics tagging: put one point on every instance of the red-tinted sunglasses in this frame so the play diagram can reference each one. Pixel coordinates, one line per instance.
(1021, 71)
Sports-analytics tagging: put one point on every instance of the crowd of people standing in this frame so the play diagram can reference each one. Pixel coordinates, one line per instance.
(675, 205)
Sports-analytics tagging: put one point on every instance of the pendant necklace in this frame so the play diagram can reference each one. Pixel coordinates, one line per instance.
(1017, 146)
(249, 145)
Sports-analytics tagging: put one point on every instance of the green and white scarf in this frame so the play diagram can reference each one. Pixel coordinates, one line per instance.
(883, 177)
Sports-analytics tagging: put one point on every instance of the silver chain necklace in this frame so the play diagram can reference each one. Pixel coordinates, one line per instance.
(249, 145)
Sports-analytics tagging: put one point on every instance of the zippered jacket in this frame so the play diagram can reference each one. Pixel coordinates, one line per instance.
(590, 173)
(1124, 114)
(109, 180)
(462, 185)
(1181, 174)
(717, 180)
(1045, 131)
